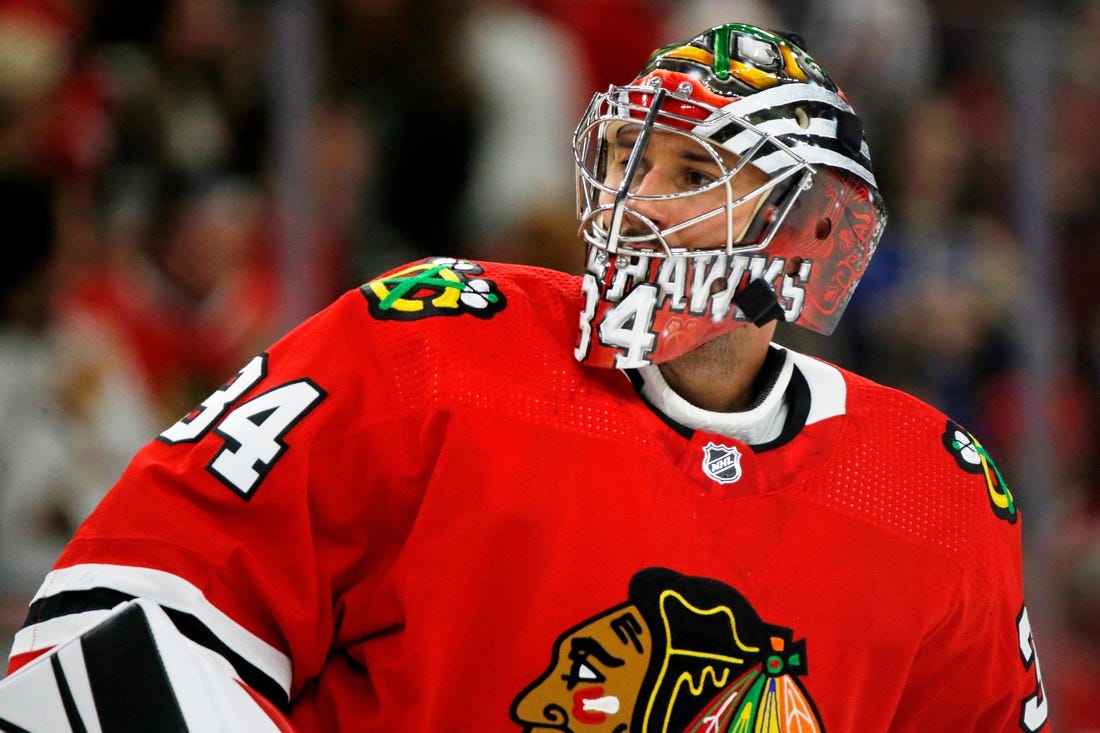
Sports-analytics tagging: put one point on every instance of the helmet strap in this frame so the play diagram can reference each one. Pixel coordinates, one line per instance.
(758, 302)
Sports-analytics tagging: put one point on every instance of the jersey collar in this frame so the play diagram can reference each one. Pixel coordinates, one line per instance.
(762, 423)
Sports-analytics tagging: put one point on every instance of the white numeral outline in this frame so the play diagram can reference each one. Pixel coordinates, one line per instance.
(252, 433)
(591, 295)
(628, 326)
(191, 427)
(1033, 710)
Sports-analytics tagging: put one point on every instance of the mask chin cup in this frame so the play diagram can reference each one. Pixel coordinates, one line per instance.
(759, 303)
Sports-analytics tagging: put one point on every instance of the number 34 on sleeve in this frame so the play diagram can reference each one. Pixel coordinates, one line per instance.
(252, 432)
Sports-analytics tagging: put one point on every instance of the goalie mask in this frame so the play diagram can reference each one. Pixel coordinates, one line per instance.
(729, 183)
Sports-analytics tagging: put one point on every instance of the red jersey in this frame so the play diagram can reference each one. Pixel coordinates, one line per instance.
(418, 512)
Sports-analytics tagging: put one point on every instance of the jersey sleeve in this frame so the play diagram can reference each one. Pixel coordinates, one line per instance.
(967, 660)
(246, 519)
(977, 669)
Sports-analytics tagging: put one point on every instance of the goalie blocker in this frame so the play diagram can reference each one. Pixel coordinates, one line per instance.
(133, 671)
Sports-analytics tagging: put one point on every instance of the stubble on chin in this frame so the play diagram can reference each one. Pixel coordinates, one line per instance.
(718, 375)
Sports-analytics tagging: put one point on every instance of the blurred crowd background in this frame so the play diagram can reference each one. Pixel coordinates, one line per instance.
(181, 181)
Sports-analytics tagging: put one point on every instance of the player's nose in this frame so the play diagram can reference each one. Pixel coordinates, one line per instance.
(655, 210)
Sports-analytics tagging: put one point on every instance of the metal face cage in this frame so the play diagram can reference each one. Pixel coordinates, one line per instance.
(602, 206)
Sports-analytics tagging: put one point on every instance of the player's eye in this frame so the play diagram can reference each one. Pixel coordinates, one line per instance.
(696, 178)
(616, 165)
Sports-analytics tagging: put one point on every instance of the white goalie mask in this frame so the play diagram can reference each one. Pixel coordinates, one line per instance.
(729, 183)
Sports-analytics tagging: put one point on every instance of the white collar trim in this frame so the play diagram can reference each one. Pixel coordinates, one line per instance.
(760, 424)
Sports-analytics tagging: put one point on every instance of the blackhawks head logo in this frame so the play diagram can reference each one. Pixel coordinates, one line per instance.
(435, 287)
(682, 655)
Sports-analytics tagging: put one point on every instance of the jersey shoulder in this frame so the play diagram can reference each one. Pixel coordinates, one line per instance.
(445, 314)
(906, 467)
(450, 294)
(471, 330)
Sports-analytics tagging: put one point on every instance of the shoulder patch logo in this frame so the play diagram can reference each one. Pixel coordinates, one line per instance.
(436, 287)
(973, 458)
(682, 654)
(722, 463)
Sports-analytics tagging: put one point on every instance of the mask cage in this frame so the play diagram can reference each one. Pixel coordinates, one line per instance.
(652, 109)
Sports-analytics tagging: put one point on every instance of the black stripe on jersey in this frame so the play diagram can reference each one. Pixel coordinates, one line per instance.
(71, 602)
(798, 409)
(67, 701)
(129, 682)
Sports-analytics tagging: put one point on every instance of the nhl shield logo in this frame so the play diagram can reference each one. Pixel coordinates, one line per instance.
(722, 463)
